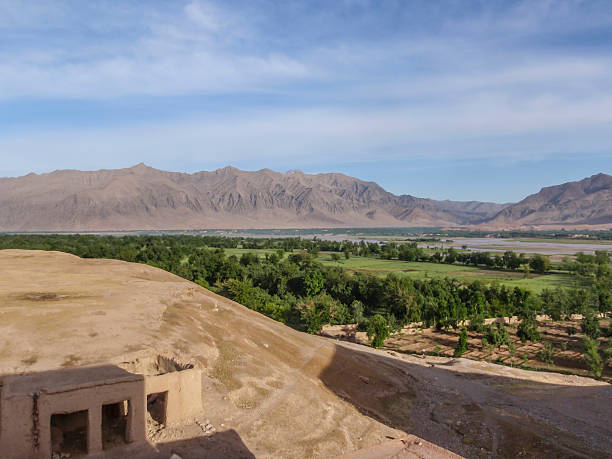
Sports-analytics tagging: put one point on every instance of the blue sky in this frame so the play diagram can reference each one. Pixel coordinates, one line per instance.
(487, 100)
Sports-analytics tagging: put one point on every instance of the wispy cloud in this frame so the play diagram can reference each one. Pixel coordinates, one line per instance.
(303, 80)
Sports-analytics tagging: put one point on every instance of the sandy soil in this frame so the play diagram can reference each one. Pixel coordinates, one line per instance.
(270, 391)
(568, 350)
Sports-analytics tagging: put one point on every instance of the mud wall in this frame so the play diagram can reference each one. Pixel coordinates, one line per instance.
(184, 389)
(26, 418)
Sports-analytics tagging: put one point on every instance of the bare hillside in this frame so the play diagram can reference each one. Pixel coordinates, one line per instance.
(271, 391)
(145, 198)
(587, 202)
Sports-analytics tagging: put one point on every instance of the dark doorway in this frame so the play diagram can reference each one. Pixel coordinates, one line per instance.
(114, 424)
(69, 433)
(156, 406)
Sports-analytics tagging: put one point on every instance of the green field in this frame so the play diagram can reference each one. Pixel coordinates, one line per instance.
(238, 252)
(423, 270)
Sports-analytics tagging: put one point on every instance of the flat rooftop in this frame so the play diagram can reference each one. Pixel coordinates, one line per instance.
(60, 311)
(65, 380)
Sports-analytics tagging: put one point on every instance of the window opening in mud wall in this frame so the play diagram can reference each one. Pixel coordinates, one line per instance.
(69, 433)
(156, 406)
(114, 424)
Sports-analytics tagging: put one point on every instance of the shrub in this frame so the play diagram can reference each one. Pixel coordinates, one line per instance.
(511, 351)
(571, 331)
(547, 354)
(476, 323)
(592, 357)
(377, 330)
(590, 324)
(528, 329)
(462, 344)
(321, 310)
(497, 335)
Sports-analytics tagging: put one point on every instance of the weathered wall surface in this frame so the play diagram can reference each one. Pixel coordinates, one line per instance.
(184, 393)
(26, 418)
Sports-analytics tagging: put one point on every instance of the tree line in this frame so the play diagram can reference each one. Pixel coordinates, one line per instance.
(291, 286)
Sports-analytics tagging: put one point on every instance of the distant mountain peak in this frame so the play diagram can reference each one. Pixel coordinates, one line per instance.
(140, 167)
(584, 202)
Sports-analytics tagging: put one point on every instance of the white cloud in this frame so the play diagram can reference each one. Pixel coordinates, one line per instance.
(521, 131)
(189, 52)
(205, 15)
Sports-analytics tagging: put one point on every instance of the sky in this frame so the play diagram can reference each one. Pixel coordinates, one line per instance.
(452, 99)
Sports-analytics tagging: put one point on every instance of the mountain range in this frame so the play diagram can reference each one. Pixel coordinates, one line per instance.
(144, 198)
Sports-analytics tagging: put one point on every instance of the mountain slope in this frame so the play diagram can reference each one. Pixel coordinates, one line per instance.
(587, 202)
(145, 198)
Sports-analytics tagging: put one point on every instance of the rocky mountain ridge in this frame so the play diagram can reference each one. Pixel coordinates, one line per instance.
(586, 202)
(144, 198)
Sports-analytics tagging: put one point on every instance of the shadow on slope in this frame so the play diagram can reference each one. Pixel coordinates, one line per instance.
(472, 411)
(220, 445)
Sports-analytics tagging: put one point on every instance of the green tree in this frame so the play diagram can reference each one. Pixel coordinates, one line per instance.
(378, 330)
(321, 310)
(315, 282)
(592, 357)
(528, 329)
(539, 263)
(451, 256)
(497, 335)
(357, 311)
(462, 344)
(590, 324)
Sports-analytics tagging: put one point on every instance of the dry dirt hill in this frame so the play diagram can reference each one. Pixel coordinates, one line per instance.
(584, 203)
(271, 391)
(145, 198)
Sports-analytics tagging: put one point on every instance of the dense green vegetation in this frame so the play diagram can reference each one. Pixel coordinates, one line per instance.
(464, 273)
(286, 281)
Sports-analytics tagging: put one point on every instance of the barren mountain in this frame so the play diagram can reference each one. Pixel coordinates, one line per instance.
(587, 202)
(271, 391)
(145, 198)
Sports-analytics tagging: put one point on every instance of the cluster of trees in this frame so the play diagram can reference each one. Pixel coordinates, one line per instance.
(508, 261)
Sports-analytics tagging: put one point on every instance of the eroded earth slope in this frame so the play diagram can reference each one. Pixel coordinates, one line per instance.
(271, 391)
